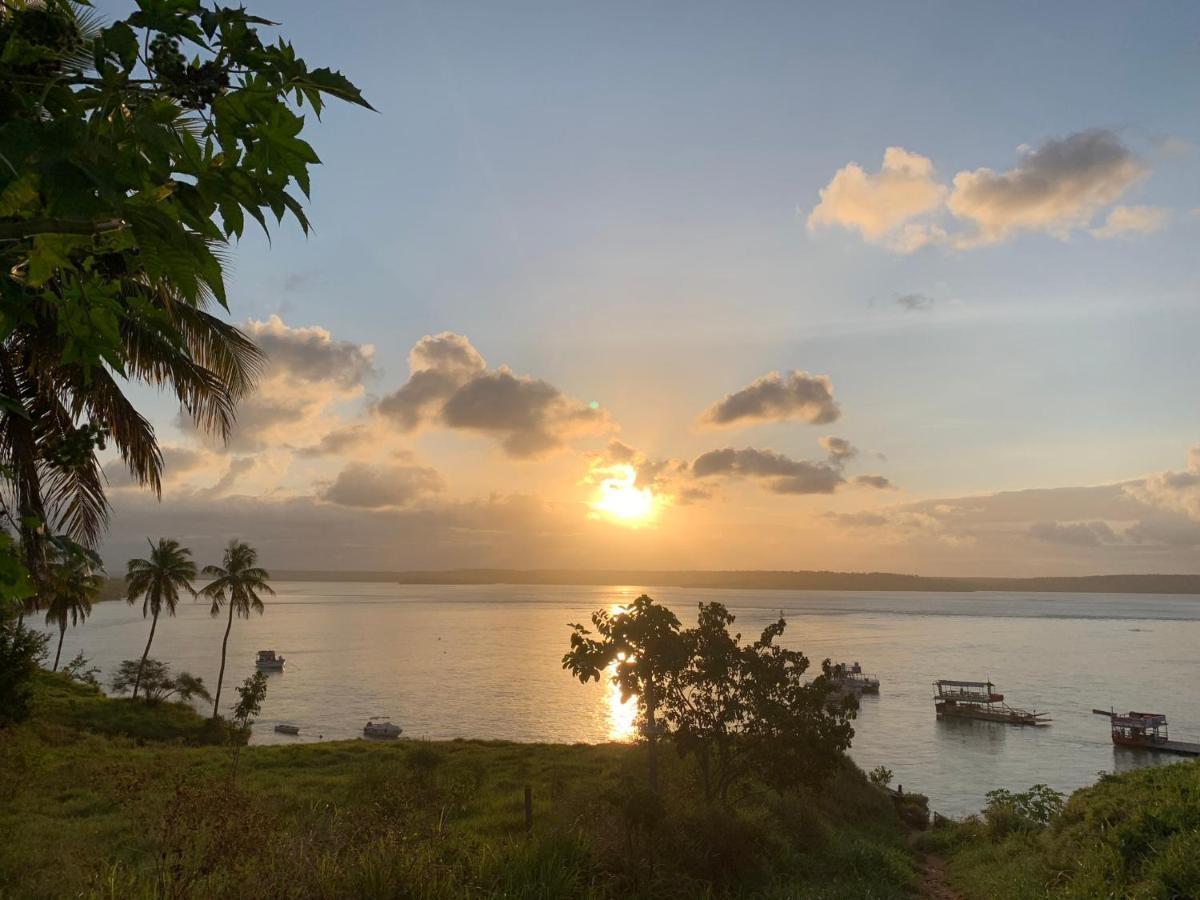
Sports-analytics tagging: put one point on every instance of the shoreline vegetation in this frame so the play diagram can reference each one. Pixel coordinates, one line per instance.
(108, 797)
(747, 580)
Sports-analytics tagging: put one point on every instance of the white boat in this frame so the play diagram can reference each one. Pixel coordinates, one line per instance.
(267, 661)
(284, 728)
(381, 728)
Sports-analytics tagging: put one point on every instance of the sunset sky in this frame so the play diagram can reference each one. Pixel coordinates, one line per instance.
(723, 286)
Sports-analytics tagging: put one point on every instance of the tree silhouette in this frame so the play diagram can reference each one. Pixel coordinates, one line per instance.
(158, 581)
(237, 583)
(74, 586)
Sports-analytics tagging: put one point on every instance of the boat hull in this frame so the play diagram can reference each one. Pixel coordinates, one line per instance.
(985, 714)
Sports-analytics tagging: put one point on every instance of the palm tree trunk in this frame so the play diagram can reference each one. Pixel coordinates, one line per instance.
(62, 633)
(221, 674)
(138, 680)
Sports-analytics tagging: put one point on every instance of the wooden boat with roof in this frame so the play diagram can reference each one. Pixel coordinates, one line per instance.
(850, 678)
(1146, 731)
(980, 700)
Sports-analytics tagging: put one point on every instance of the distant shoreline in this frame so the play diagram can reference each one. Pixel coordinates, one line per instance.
(748, 580)
(767, 580)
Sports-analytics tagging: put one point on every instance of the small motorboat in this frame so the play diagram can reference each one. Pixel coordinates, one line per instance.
(267, 661)
(284, 728)
(381, 728)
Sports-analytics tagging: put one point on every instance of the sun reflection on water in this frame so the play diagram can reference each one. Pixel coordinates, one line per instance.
(622, 715)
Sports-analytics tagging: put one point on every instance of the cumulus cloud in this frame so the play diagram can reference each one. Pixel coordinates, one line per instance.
(1177, 492)
(380, 487)
(449, 384)
(1056, 188)
(1078, 534)
(311, 354)
(779, 474)
(878, 205)
(796, 396)
(839, 449)
(1126, 221)
(307, 373)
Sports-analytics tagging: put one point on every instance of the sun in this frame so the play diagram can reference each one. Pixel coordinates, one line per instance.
(620, 499)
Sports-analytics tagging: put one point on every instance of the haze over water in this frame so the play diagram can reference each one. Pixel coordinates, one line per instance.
(484, 662)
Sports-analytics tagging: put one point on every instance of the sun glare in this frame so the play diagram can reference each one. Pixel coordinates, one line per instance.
(620, 499)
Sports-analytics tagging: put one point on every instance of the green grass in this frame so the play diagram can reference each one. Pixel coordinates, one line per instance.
(1135, 835)
(106, 798)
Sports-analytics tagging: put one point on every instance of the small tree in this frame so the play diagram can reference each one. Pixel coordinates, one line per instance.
(740, 711)
(21, 649)
(80, 669)
(641, 645)
(251, 694)
(157, 683)
(746, 710)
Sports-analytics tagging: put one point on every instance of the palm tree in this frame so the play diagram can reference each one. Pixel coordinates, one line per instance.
(48, 465)
(75, 586)
(158, 581)
(236, 582)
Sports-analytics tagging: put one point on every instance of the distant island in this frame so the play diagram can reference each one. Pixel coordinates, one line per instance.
(769, 580)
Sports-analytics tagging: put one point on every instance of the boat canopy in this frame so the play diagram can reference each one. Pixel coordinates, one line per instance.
(975, 684)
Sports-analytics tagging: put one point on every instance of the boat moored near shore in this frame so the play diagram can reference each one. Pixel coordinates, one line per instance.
(382, 729)
(980, 700)
(1146, 731)
(850, 678)
(268, 661)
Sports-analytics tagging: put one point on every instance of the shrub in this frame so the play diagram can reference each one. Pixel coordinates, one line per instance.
(21, 649)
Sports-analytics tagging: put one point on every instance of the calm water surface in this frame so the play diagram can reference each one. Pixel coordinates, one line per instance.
(471, 661)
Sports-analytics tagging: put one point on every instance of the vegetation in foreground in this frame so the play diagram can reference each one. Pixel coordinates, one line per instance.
(1134, 835)
(111, 798)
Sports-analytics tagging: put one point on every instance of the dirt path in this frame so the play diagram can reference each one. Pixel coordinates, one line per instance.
(933, 880)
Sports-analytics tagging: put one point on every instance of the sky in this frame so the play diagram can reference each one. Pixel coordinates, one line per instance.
(905, 287)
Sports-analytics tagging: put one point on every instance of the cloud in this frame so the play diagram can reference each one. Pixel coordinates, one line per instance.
(779, 474)
(1176, 492)
(1078, 534)
(1054, 189)
(307, 372)
(668, 479)
(873, 481)
(839, 449)
(1165, 529)
(915, 302)
(1123, 221)
(451, 385)
(796, 396)
(311, 354)
(380, 487)
(179, 463)
(341, 441)
(904, 525)
(879, 205)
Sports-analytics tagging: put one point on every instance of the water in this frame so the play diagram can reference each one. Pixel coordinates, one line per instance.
(484, 661)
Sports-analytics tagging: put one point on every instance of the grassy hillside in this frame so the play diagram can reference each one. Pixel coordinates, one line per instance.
(1134, 835)
(102, 798)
